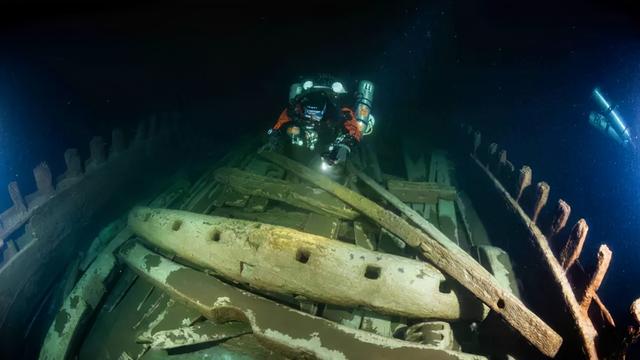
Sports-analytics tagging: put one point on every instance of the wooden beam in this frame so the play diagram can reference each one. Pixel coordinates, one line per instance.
(585, 327)
(298, 195)
(291, 262)
(421, 192)
(560, 217)
(573, 246)
(524, 181)
(604, 258)
(448, 258)
(542, 195)
(288, 332)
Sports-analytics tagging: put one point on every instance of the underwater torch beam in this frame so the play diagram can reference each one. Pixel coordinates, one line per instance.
(451, 260)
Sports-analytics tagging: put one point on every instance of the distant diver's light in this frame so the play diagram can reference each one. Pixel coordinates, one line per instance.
(614, 120)
(338, 88)
(307, 85)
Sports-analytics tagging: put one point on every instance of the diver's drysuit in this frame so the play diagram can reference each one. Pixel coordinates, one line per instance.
(319, 116)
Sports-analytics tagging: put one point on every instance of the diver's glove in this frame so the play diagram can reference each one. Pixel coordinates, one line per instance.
(338, 152)
(273, 140)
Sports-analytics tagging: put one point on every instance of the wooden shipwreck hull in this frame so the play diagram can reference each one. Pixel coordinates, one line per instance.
(264, 257)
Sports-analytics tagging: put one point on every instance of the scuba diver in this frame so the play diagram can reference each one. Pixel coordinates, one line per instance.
(319, 116)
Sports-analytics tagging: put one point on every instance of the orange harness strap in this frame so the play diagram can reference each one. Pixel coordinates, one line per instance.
(282, 119)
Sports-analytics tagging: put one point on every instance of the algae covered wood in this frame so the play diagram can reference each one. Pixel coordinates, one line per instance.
(287, 261)
(295, 334)
(299, 195)
(450, 259)
(422, 192)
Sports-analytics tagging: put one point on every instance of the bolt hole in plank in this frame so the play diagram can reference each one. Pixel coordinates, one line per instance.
(500, 304)
(444, 287)
(302, 255)
(215, 236)
(176, 225)
(372, 272)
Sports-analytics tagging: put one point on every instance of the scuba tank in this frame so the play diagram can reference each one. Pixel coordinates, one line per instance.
(364, 99)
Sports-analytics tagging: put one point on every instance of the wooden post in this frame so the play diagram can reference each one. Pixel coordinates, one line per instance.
(448, 258)
(140, 133)
(542, 195)
(572, 248)
(97, 153)
(16, 197)
(635, 311)
(477, 138)
(42, 175)
(524, 180)
(502, 163)
(117, 142)
(73, 162)
(560, 217)
(492, 150)
(604, 258)
(586, 330)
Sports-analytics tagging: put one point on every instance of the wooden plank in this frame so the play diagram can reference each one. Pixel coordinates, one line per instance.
(441, 252)
(278, 326)
(421, 192)
(286, 261)
(584, 325)
(447, 220)
(362, 239)
(322, 225)
(276, 216)
(299, 195)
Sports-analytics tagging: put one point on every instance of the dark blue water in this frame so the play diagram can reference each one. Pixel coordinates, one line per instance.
(521, 75)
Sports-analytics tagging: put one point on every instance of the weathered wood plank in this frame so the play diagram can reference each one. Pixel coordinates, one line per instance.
(573, 246)
(286, 261)
(279, 326)
(604, 258)
(362, 238)
(299, 195)
(445, 255)
(421, 192)
(584, 325)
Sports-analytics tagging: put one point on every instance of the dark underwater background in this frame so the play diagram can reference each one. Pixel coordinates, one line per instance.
(520, 73)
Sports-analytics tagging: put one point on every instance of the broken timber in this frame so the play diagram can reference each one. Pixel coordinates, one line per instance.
(421, 192)
(90, 290)
(581, 321)
(299, 195)
(291, 262)
(297, 334)
(451, 260)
